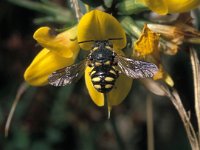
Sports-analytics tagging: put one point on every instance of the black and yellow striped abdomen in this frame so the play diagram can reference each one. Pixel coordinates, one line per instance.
(103, 77)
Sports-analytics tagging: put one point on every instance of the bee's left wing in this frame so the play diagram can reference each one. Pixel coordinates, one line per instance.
(67, 75)
(136, 68)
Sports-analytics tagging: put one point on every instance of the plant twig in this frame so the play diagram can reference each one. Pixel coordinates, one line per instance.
(196, 80)
(185, 117)
(23, 87)
(77, 9)
(172, 94)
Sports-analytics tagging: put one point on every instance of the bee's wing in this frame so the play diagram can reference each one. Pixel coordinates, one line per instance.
(135, 68)
(67, 75)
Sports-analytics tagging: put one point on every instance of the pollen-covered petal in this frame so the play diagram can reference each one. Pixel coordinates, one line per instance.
(98, 25)
(115, 96)
(64, 44)
(43, 65)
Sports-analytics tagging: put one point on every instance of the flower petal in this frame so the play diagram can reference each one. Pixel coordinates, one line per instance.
(97, 97)
(163, 75)
(120, 91)
(43, 65)
(64, 44)
(171, 6)
(158, 6)
(147, 42)
(176, 6)
(98, 25)
(115, 96)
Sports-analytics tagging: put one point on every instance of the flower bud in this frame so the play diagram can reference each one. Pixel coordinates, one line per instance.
(130, 26)
(128, 7)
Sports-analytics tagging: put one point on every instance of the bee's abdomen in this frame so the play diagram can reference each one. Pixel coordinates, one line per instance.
(103, 78)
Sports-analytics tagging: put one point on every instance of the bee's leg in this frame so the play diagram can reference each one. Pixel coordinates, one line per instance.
(110, 44)
(89, 63)
(117, 72)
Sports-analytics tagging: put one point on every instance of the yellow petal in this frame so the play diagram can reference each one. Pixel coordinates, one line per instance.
(98, 25)
(96, 96)
(43, 65)
(147, 43)
(171, 6)
(175, 6)
(158, 6)
(120, 91)
(64, 44)
(115, 96)
(162, 75)
(168, 79)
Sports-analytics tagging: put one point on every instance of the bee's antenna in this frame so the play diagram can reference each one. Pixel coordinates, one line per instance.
(86, 41)
(111, 39)
(114, 39)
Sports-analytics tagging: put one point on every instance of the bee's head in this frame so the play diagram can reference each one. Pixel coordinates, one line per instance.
(102, 54)
(102, 43)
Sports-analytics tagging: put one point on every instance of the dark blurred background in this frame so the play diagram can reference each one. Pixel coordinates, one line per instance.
(49, 118)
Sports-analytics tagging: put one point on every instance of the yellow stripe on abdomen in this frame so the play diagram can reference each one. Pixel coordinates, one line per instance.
(109, 79)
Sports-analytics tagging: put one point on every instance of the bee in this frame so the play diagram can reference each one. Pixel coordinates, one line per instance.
(106, 66)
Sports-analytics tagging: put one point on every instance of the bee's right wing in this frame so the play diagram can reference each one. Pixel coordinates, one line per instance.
(136, 68)
(67, 75)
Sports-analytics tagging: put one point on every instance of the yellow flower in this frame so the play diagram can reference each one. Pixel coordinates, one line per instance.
(60, 50)
(147, 47)
(171, 6)
(97, 25)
